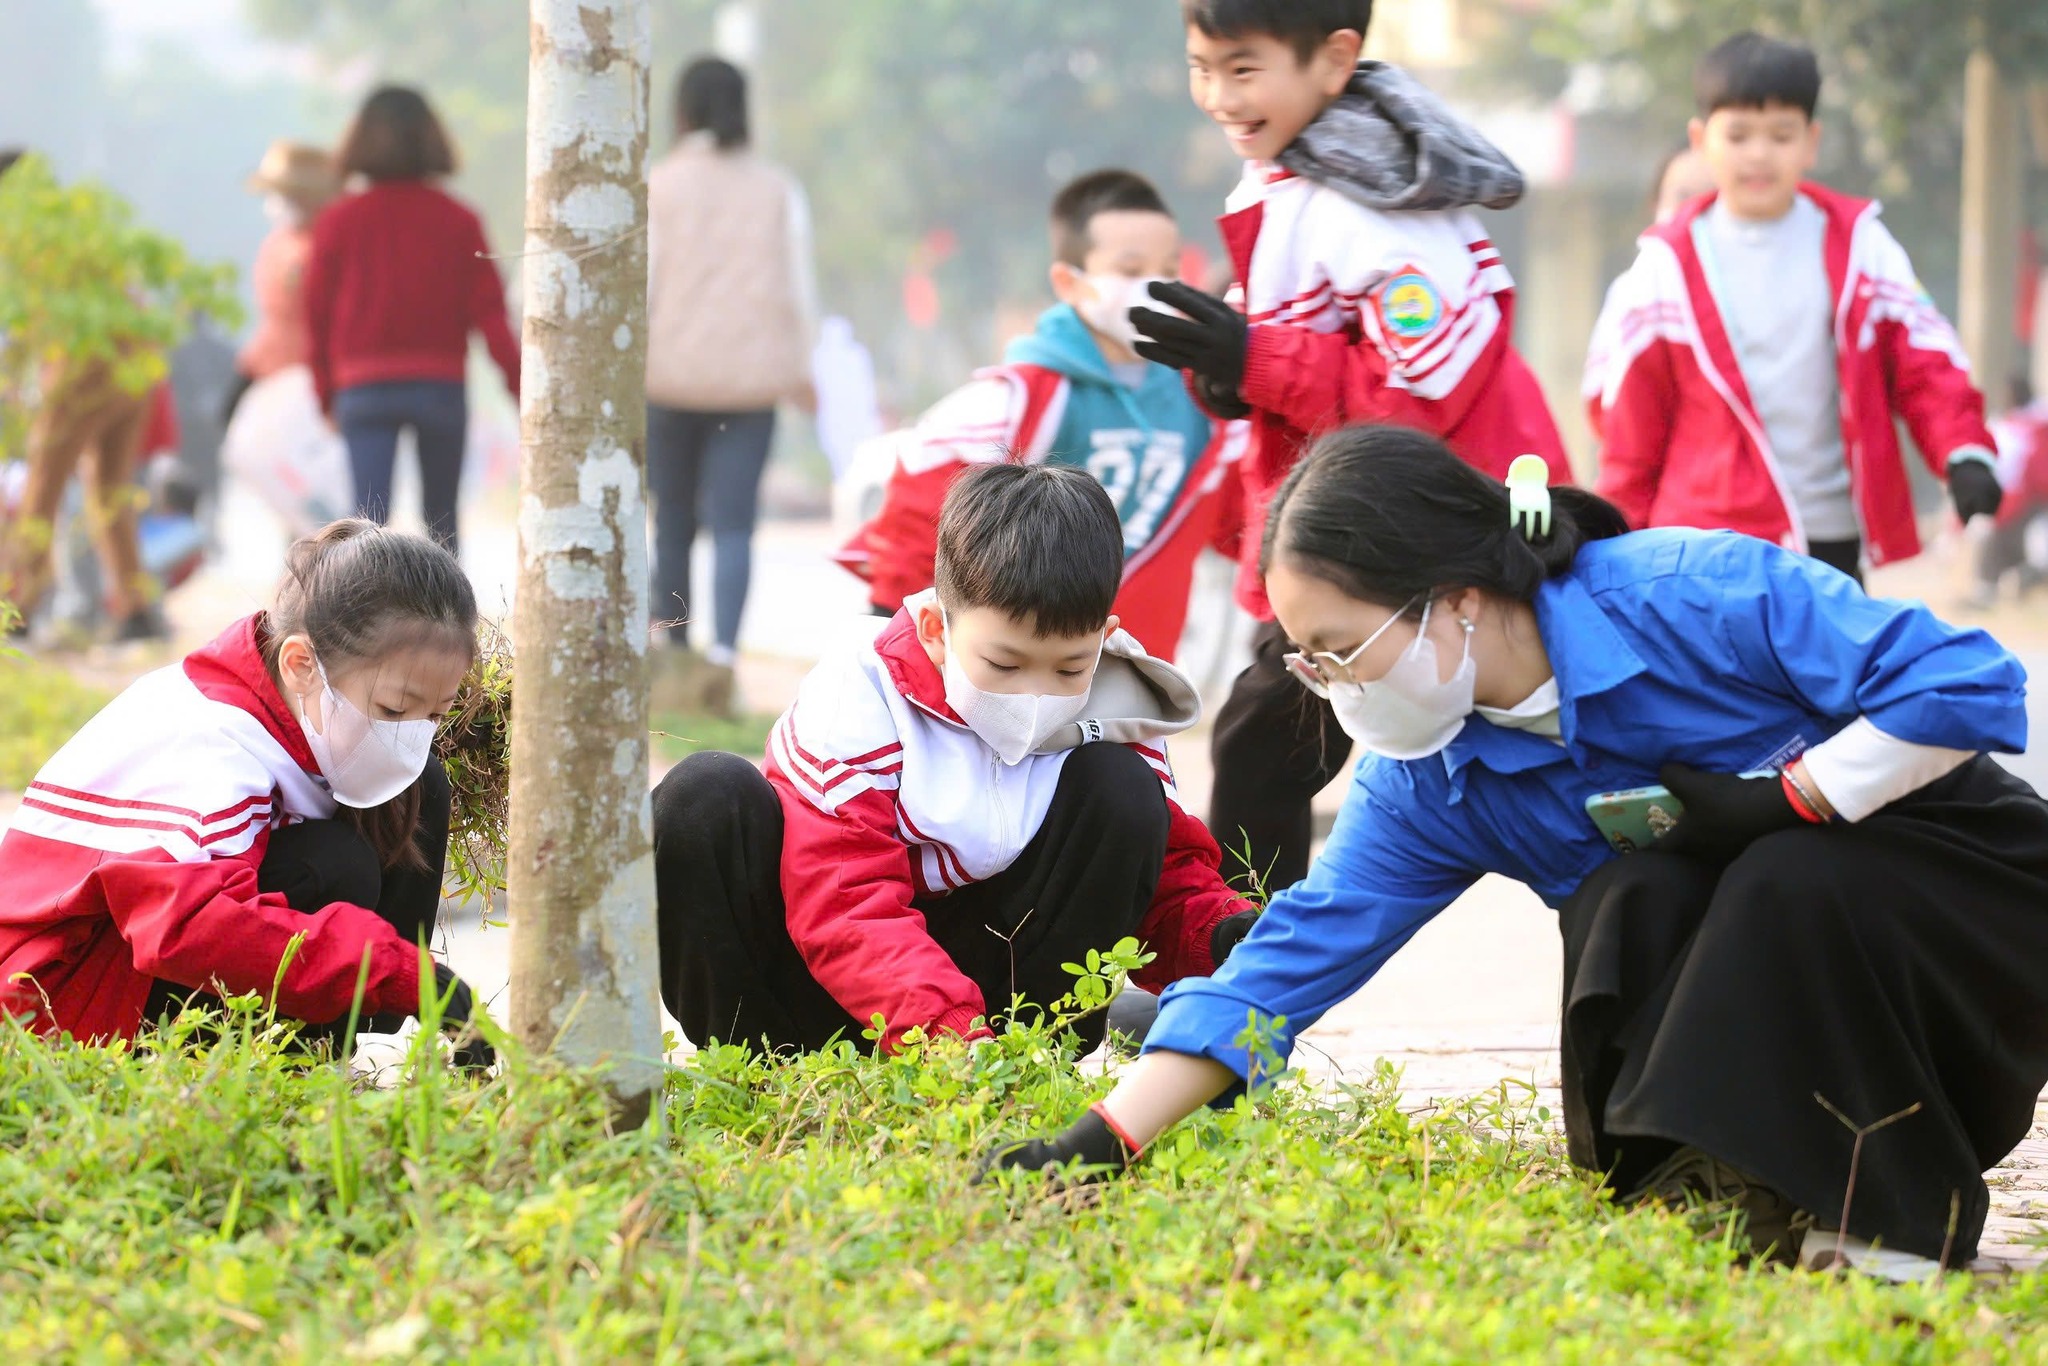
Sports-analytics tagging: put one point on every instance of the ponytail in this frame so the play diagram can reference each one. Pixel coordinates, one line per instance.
(1389, 515)
(359, 592)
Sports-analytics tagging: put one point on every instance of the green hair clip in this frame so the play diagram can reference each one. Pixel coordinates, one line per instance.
(1529, 497)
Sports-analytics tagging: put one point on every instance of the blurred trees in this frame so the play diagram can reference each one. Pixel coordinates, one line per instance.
(930, 134)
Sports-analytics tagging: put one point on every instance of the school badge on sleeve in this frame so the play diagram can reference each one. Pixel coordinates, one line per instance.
(1410, 307)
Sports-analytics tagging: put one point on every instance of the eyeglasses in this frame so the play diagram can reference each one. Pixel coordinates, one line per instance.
(1318, 671)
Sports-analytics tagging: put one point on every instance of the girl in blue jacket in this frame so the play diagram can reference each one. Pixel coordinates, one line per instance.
(1867, 921)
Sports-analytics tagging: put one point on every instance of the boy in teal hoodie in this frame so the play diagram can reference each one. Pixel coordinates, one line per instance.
(1075, 393)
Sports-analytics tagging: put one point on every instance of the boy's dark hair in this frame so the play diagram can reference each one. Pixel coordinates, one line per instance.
(1303, 24)
(1750, 71)
(360, 592)
(711, 97)
(1075, 208)
(396, 137)
(1041, 543)
(1388, 515)
(10, 155)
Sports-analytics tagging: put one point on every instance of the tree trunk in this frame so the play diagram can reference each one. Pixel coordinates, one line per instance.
(584, 957)
(1993, 171)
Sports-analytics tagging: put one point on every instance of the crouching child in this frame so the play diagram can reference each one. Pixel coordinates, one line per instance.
(953, 809)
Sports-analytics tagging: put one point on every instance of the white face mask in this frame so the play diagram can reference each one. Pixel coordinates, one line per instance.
(1011, 724)
(1109, 312)
(1412, 712)
(366, 763)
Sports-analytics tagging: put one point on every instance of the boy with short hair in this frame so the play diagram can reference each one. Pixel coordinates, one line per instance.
(952, 809)
(1771, 334)
(1370, 293)
(1074, 393)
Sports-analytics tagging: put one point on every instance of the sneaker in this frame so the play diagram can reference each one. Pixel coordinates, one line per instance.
(142, 624)
(1691, 1179)
(1828, 1250)
(675, 682)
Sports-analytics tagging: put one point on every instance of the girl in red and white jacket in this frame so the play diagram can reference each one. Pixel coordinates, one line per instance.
(274, 786)
(953, 809)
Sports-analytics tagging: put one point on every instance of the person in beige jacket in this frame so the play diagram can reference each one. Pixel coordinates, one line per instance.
(730, 309)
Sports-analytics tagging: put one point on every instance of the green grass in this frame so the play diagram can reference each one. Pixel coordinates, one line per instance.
(41, 707)
(677, 737)
(221, 1201)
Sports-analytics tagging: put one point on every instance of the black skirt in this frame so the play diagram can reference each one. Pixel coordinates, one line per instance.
(1902, 961)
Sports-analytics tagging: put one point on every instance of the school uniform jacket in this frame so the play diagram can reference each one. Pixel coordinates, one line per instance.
(134, 855)
(1362, 315)
(890, 803)
(1714, 650)
(1684, 444)
(1024, 410)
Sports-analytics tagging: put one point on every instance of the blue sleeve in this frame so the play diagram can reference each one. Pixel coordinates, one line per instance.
(1816, 637)
(1378, 882)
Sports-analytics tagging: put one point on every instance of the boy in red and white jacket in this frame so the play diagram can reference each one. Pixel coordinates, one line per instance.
(953, 808)
(1770, 334)
(1074, 393)
(1369, 293)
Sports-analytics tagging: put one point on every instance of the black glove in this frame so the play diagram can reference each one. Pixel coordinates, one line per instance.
(1973, 485)
(471, 1052)
(1228, 932)
(1227, 404)
(1210, 340)
(1724, 814)
(1102, 1154)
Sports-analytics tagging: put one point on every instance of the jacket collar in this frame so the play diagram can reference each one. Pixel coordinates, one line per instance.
(230, 670)
(1589, 657)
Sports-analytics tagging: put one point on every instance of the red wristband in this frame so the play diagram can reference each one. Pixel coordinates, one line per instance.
(1800, 806)
(1133, 1149)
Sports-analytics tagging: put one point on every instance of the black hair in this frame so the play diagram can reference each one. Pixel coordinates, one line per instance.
(1305, 25)
(711, 97)
(1390, 516)
(1041, 543)
(396, 136)
(359, 591)
(1750, 71)
(10, 155)
(1076, 207)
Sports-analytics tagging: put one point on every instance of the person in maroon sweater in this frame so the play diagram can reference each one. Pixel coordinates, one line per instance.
(398, 277)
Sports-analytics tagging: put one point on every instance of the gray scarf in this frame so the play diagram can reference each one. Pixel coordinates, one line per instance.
(1390, 144)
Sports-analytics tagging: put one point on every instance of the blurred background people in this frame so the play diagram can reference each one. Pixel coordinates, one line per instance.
(398, 277)
(731, 309)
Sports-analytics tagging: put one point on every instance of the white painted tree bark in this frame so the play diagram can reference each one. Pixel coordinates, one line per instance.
(584, 958)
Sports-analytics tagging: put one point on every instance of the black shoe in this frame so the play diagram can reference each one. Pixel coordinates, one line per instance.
(1130, 1019)
(143, 624)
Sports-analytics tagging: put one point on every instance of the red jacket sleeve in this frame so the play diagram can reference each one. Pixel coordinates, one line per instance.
(206, 925)
(318, 286)
(1935, 396)
(487, 311)
(1318, 381)
(1636, 434)
(1191, 899)
(846, 887)
(977, 424)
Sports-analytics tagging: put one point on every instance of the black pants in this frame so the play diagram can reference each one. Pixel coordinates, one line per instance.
(1276, 746)
(317, 863)
(1900, 961)
(1846, 556)
(729, 970)
(704, 469)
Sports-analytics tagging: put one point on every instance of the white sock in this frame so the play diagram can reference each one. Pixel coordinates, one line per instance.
(722, 655)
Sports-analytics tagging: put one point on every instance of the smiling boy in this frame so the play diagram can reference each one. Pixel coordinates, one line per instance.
(952, 810)
(1369, 292)
(1770, 334)
(1075, 393)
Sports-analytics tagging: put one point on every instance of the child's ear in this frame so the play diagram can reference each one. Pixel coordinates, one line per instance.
(1696, 134)
(1812, 143)
(1115, 623)
(931, 631)
(1340, 54)
(1069, 285)
(296, 665)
